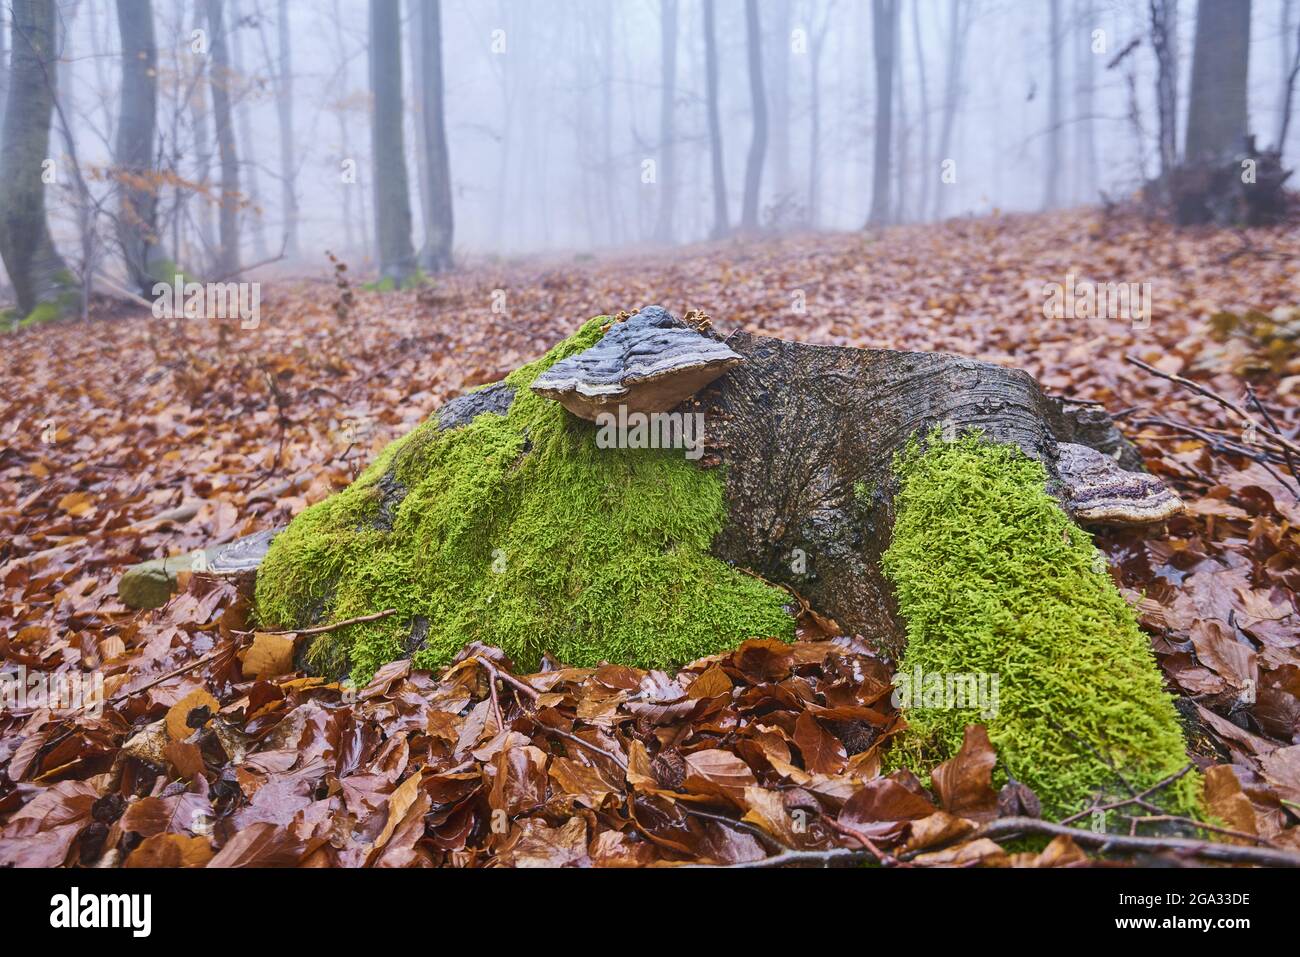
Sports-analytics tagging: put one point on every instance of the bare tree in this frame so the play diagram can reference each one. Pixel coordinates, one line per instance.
(387, 144)
(924, 200)
(1052, 172)
(1164, 40)
(1086, 131)
(1288, 80)
(667, 110)
(198, 94)
(437, 201)
(227, 262)
(1216, 115)
(284, 116)
(817, 46)
(758, 105)
(134, 152)
(244, 118)
(721, 218)
(36, 270)
(779, 59)
(884, 17)
(958, 25)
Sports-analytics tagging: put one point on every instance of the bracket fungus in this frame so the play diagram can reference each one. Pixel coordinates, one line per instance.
(1096, 491)
(649, 362)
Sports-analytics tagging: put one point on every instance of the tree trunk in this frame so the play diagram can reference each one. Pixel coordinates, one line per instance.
(667, 110)
(202, 146)
(134, 153)
(1292, 66)
(345, 141)
(227, 264)
(284, 114)
(951, 95)
(1216, 118)
(1164, 39)
(243, 117)
(758, 104)
(721, 218)
(1085, 64)
(37, 272)
(438, 211)
(779, 58)
(392, 198)
(4, 62)
(884, 14)
(1052, 172)
(923, 206)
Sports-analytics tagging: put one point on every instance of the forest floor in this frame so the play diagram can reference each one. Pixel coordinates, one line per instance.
(212, 750)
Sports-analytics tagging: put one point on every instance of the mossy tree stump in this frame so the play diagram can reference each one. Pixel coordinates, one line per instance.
(503, 520)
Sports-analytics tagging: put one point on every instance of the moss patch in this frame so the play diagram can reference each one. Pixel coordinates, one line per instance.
(993, 578)
(517, 531)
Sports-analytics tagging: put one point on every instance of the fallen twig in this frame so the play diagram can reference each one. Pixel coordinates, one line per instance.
(1280, 440)
(323, 629)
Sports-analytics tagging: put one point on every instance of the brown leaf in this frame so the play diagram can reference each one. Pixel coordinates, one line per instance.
(823, 753)
(179, 715)
(964, 782)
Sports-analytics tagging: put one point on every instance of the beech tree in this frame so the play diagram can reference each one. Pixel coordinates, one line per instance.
(1216, 115)
(227, 260)
(884, 17)
(721, 218)
(36, 270)
(667, 111)
(758, 105)
(134, 152)
(438, 212)
(388, 144)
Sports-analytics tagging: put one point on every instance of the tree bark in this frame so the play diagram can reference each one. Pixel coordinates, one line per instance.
(824, 490)
(134, 153)
(227, 264)
(667, 111)
(758, 104)
(439, 225)
(884, 14)
(1216, 118)
(721, 218)
(36, 270)
(392, 198)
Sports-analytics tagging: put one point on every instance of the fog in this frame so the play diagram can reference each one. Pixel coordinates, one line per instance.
(555, 128)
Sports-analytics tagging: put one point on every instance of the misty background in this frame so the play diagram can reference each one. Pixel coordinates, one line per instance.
(583, 125)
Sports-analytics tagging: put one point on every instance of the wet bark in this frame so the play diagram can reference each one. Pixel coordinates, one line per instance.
(808, 434)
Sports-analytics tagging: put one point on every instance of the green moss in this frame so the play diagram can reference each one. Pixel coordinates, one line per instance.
(994, 579)
(517, 531)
